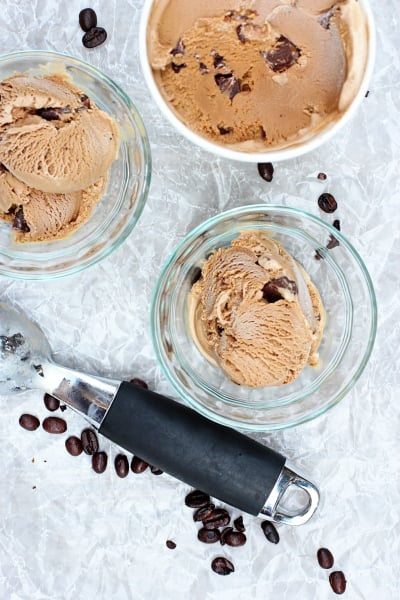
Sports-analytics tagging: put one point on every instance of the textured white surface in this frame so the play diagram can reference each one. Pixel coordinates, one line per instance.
(67, 533)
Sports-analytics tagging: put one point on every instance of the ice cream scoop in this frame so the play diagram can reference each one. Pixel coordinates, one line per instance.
(216, 459)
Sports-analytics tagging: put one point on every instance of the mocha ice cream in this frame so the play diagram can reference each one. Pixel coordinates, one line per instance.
(257, 74)
(256, 313)
(56, 148)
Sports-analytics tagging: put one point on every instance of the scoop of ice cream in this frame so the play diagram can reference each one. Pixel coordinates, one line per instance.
(255, 74)
(52, 138)
(247, 315)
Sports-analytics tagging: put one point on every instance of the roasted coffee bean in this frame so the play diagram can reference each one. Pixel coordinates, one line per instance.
(138, 465)
(74, 445)
(121, 465)
(208, 536)
(338, 582)
(238, 523)
(170, 544)
(327, 203)
(224, 533)
(139, 383)
(270, 532)
(87, 19)
(322, 176)
(197, 499)
(266, 171)
(51, 403)
(235, 538)
(222, 566)
(156, 470)
(325, 558)
(99, 462)
(94, 37)
(219, 517)
(202, 513)
(90, 442)
(29, 422)
(54, 425)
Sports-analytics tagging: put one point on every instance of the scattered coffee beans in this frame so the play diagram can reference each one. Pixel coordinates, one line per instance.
(74, 445)
(87, 19)
(121, 465)
(156, 470)
(338, 582)
(99, 462)
(327, 203)
(54, 425)
(238, 523)
(170, 544)
(208, 536)
(203, 513)
(270, 532)
(266, 171)
(219, 517)
(235, 538)
(138, 465)
(90, 442)
(197, 499)
(29, 422)
(224, 533)
(139, 383)
(51, 403)
(222, 566)
(325, 558)
(94, 37)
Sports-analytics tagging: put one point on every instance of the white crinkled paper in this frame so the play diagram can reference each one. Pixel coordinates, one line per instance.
(67, 533)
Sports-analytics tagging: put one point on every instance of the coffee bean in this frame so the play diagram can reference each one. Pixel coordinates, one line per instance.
(87, 19)
(322, 176)
(270, 532)
(90, 442)
(99, 462)
(266, 170)
(219, 517)
(74, 445)
(121, 465)
(51, 403)
(54, 425)
(29, 422)
(202, 513)
(224, 533)
(94, 37)
(197, 499)
(138, 465)
(325, 558)
(238, 523)
(327, 203)
(235, 538)
(222, 566)
(208, 536)
(170, 544)
(139, 383)
(338, 582)
(156, 470)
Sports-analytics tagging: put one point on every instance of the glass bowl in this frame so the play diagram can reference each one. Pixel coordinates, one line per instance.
(118, 210)
(359, 74)
(348, 296)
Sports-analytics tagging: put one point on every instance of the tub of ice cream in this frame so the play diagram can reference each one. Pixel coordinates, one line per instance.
(255, 321)
(74, 165)
(256, 80)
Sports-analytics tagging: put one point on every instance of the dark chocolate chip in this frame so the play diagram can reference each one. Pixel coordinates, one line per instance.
(203, 68)
(333, 242)
(338, 582)
(87, 19)
(139, 382)
(208, 536)
(322, 176)
(170, 544)
(176, 68)
(325, 19)
(327, 203)
(51, 403)
(54, 425)
(228, 84)
(225, 130)
(89, 440)
(99, 462)
(270, 532)
(222, 566)
(238, 523)
(74, 445)
(29, 422)
(218, 61)
(19, 221)
(138, 465)
(325, 558)
(284, 55)
(197, 499)
(266, 170)
(240, 33)
(121, 465)
(204, 512)
(85, 100)
(51, 113)
(271, 291)
(179, 48)
(336, 224)
(94, 37)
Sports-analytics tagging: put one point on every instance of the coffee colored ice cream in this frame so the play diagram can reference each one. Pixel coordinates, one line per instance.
(56, 148)
(257, 74)
(256, 313)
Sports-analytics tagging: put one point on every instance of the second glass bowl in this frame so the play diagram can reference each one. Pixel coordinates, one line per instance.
(348, 296)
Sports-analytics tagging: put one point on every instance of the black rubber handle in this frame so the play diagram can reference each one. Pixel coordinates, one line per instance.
(210, 457)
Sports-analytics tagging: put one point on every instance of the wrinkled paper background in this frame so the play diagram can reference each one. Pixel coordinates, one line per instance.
(67, 533)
